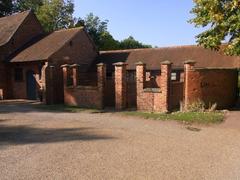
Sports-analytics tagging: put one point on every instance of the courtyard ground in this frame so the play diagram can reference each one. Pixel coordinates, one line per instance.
(40, 144)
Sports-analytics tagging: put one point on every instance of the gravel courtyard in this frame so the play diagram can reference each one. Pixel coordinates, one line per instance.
(37, 144)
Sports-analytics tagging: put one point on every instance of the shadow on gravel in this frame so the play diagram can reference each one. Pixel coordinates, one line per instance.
(20, 135)
(18, 106)
(34, 106)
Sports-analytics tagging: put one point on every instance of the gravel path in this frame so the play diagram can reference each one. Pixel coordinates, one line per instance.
(47, 145)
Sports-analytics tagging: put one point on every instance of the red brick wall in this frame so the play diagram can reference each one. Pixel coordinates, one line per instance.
(81, 51)
(19, 89)
(211, 86)
(120, 86)
(85, 96)
(154, 99)
(131, 90)
(29, 29)
(176, 95)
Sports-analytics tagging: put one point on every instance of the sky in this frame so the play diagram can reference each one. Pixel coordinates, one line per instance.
(155, 22)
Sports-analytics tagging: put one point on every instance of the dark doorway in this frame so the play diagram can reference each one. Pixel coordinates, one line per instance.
(109, 97)
(31, 85)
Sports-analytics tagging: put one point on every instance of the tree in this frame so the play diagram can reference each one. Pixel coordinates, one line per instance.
(107, 42)
(52, 14)
(222, 20)
(95, 27)
(55, 14)
(23, 5)
(131, 43)
(6, 7)
(98, 30)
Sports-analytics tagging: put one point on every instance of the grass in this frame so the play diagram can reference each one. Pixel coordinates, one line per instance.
(189, 117)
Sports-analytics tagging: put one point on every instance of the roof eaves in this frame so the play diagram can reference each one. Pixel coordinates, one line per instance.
(14, 32)
(146, 49)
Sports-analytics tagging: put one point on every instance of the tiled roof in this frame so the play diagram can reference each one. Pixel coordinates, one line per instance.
(10, 24)
(47, 46)
(177, 55)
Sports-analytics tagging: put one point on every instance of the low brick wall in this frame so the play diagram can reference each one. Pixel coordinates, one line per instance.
(211, 86)
(83, 96)
(150, 99)
(154, 99)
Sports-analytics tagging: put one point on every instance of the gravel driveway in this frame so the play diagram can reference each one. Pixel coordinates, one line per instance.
(49, 145)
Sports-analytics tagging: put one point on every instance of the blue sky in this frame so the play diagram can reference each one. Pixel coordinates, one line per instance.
(156, 22)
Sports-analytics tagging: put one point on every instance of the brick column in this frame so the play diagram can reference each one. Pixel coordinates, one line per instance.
(75, 70)
(140, 81)
(120, 85)
(65, 69)
(101, 74)
(166, 69)
(188, 67)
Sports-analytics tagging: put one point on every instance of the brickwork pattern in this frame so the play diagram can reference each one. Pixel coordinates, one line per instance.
(154, 99)
(19, 89)
(120, 86)
(211, 86)
(85, 96)
(19, 39)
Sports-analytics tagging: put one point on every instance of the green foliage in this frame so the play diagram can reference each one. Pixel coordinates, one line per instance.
(23, 5)
(189, 117)
(55, 14)
(131, 43)
(197, 106)
(98, 30)
(107, 42)
(222, 20)
(52, 14)
(6, 7)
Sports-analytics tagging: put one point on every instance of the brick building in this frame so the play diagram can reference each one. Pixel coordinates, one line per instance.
(30, 59)
(218, 63)
(65, 66)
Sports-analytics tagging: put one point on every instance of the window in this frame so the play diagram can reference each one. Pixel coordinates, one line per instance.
(18, 74)
(174, 76)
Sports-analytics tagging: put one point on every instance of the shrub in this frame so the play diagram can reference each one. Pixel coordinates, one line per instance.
(197, 106)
